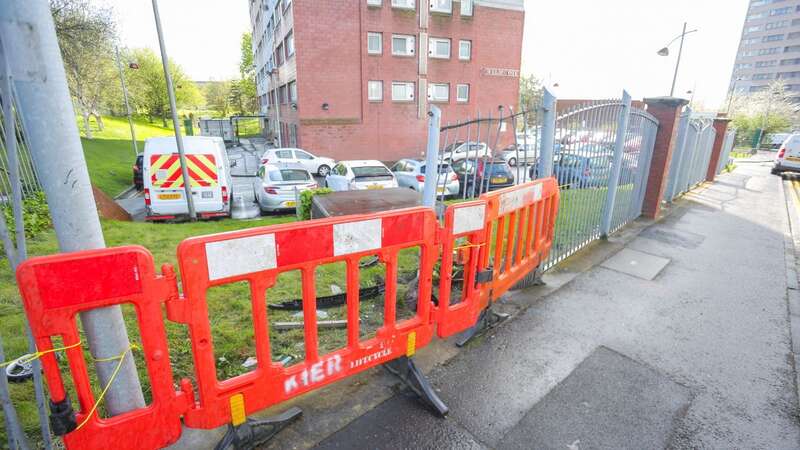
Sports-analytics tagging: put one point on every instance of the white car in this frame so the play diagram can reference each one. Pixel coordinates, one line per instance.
(410, 173)
(314, 164)
(276, 185)
(460, 150)
(360, 174)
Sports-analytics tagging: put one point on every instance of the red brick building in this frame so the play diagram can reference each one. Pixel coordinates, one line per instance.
(355, 78)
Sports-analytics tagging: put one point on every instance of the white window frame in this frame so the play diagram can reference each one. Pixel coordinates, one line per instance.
(292, 91)
(411, 42)
(370, 84)
(404, 4)
(379, 51)
(461, 56)
(432, 47)
(289, 39)
(409, 86)
(467, 8)
(442, 6)
(459, 98)
(432, 87)
(374, 3)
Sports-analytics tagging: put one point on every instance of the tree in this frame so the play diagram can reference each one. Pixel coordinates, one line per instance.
(772, 110)
(243, 95)
(217, 95)
(85, 34)
(530, 92)
(148, 86)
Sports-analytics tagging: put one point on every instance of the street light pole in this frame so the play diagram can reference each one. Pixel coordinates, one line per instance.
(730, 96)
(187, 182)
(274, 76)
(678, 63)
(127, 104)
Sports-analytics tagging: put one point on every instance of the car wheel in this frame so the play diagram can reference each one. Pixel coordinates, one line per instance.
(323, 170)
(512, 162)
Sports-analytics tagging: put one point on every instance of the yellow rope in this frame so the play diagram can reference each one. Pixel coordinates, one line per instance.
(121, 359)
(24, 359)
(469, 246)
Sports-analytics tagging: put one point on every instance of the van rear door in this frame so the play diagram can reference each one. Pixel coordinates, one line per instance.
(168, 187)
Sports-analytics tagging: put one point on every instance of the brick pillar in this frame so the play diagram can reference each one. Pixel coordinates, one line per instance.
(721, 127)
(667, 110)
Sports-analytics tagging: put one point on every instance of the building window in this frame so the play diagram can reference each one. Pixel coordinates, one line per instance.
(780, 11)
(374, 43)
(442, 6)
(464, 50)
(766, 63)
(791, 49)
(289, 43)
(292, 91)
(790, 62)
(375, 91)
(462, 93)
(767, 51)
(773, 38)
(762, 76)
(374, 3)
(439, 48)
(279, 55)
(402, 45)
(749, 30)
(776, 25)
(466, 8)
(794, 35)
(402, 91)
(439, 92)
(404, 4)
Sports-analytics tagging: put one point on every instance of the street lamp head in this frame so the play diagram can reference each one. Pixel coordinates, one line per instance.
(663, 52)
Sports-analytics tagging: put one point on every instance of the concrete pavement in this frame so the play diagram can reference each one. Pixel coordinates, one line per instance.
(699, 356)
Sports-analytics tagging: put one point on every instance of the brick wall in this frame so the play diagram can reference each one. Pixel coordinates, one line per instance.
(333, 67)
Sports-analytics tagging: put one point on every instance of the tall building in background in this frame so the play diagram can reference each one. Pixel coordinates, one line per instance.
(770, 47)
(354, 78)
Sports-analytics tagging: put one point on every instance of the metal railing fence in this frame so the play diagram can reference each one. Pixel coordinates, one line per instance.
(727, 148)
(691, 155)
(600, 157)
(29, 181)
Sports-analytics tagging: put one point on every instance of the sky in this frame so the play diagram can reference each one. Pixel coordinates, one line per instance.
(590, 48)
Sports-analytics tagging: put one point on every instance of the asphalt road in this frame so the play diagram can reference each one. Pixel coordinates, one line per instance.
(698, 357)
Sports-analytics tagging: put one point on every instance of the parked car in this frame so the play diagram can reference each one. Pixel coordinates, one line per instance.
(788, 157)
(525, 153)
(138, 181)
(210, 174)
(315, 164)
(491, 174)
(582, 171)
(360, 174)
(410, 173)
(276, 185)
(460, 150)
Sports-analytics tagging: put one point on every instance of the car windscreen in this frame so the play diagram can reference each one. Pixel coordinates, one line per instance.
(289, 175)
(372, 172)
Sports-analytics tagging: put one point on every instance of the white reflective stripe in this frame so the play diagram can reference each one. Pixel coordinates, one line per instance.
(356, 237)
(514, 200)
(241, 256)
(470, 218)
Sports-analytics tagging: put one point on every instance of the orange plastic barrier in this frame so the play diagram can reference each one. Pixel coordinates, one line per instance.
(54, 290)
(520, 224)
(487, 246)
(258, 256)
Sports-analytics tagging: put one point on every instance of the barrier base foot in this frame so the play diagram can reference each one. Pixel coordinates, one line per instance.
(405, 369)
(255, 433)
(486, 321)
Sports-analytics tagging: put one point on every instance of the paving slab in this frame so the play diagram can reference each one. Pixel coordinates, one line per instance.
(608, 401)
(636, 263)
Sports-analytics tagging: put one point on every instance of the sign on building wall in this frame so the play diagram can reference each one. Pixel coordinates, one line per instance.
(497, 72)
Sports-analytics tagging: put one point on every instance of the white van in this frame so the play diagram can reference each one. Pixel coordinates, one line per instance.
(209, 171)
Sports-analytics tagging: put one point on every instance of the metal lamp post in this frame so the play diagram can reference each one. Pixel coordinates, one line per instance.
(665, 52)
(273, 74)
(127, 103)
(730, 96)
(187, 182)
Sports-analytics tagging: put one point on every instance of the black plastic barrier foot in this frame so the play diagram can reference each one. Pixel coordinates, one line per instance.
(405, 369)
(255, 433)
(62, 417)
(486, 321)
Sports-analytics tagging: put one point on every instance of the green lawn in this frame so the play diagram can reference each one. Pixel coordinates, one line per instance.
(109, 155)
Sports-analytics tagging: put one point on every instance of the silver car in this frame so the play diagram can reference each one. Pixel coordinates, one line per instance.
(410, 173)
(276, 185)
